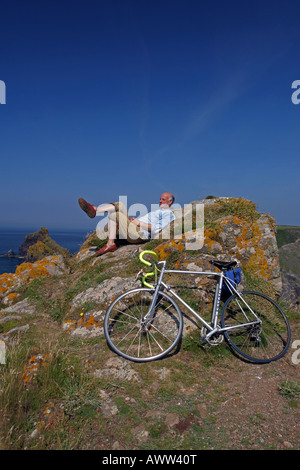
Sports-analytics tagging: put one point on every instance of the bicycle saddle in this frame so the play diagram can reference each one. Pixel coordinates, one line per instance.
(223, 265)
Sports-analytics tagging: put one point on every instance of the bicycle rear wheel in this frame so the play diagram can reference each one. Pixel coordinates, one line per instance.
(136, 339)
(262, 341)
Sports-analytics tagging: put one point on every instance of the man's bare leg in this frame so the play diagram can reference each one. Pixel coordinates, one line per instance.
(112, 233)
(112, 226)
(104, 208)
(92, 211)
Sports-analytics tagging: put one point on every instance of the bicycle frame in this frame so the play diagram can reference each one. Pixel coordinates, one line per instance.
(213, 326)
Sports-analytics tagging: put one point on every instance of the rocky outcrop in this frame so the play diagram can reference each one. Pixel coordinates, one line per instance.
(90, 324)
(243, 235)
(10, 254)
(39, 244)
(27, 272)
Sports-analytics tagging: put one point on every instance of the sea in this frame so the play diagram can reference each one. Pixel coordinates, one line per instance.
(11, 239)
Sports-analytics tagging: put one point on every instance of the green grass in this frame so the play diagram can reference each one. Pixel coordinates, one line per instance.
(287, 234)
(238, 207)
(8, 325)
(290, 389)
(256, 283)
(62, 380)
(91, 278)
(37, 293)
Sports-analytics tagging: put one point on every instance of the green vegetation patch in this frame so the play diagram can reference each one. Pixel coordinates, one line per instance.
(290, 389)
(287, 234)
(238, 207)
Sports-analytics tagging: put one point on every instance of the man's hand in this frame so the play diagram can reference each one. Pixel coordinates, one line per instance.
(135, 221)
(141, 224)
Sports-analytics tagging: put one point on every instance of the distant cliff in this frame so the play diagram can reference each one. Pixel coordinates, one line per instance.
(287, 234)
(39, 244)
(289, 259)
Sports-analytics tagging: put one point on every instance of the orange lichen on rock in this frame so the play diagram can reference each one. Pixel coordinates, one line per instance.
(11, 297)
(23, 267)
(247, 236)
(165, 249)
(32, 271)
(253, 244)
(6, 281)
(27, 272)
(211, 238)
(47, 417)
(33, 365)
(258, 264)
(87, 324)
(38, 271)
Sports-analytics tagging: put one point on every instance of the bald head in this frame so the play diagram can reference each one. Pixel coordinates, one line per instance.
(166, 200)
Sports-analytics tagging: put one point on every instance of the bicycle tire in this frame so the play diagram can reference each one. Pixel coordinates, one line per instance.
(127, 334)
(261, 343)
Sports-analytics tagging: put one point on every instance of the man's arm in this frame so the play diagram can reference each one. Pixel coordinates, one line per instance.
(143, 225)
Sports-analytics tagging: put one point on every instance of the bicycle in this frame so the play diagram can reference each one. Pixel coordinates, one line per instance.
(146, 323)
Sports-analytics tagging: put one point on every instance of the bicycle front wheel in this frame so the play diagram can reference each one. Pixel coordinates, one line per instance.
(260, 330)
(138, 337)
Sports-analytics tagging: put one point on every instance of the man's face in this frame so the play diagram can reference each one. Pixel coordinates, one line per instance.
(165, 201)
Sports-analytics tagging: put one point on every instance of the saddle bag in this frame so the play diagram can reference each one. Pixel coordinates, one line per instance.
(234, 276)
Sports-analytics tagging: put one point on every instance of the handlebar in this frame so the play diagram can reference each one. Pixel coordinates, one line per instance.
(147, 252)
(147, 263)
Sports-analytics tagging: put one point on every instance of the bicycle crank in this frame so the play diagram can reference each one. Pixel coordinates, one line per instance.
(214, 340)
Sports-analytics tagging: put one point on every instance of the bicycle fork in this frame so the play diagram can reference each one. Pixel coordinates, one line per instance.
(147, 318)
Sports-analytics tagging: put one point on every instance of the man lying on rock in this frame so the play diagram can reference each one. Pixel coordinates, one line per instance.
(134, 230)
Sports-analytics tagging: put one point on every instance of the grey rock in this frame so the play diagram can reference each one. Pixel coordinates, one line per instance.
(23, 307)
(105, 291)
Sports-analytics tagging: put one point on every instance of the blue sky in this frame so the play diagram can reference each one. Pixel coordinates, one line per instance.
(119, 97)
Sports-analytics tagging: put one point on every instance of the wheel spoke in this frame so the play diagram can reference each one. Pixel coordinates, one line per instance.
(262, 342)
(137, 338)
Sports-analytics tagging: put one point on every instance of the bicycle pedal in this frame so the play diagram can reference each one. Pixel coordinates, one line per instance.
(204, 344)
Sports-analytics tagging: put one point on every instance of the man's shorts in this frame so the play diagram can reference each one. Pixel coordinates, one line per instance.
(126, 229)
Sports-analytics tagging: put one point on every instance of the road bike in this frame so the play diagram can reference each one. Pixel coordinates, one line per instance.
(146, 323)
